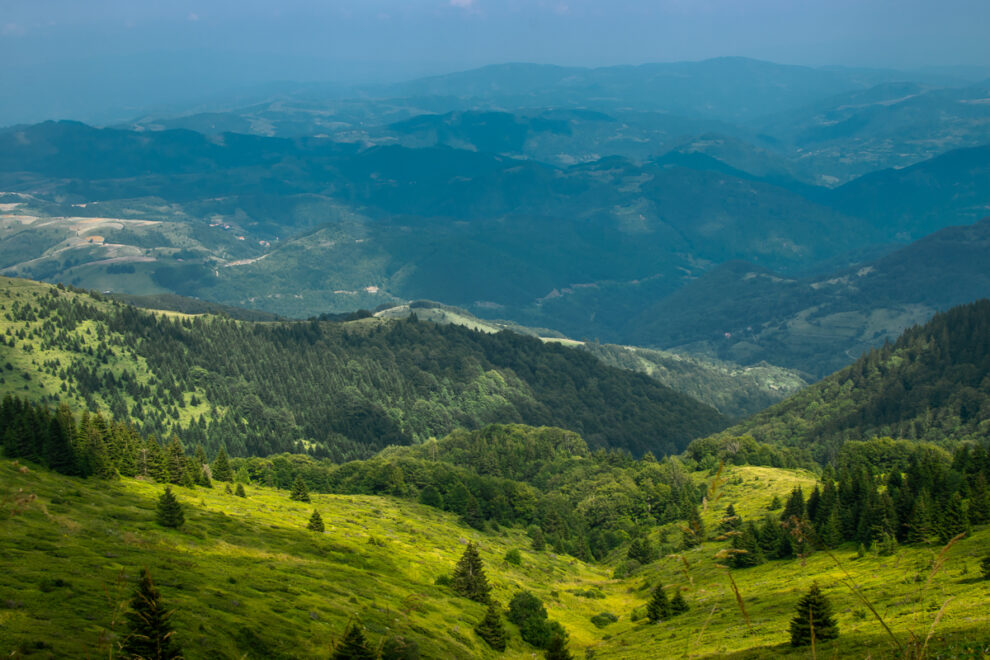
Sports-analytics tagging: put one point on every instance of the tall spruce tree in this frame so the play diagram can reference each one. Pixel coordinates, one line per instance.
(221, 466)
(730, 521)
(149, 631)
(694, 531)
(813, 618)
(746, 547)
(795, 505)
(658, 608)
(316, 523)
(353, 646)
(156, 461)
(300, 493)
(469, 579)
(677, 604)
(169, 511)
(491, 629)
(175, 459)
(58, 450)
(953, 519)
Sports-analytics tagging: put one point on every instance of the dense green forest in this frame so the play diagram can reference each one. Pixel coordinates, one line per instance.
(338, 390)
(930, 385)
(580, 502)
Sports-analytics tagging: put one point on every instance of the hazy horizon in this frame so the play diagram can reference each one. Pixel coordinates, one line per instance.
(109, 59)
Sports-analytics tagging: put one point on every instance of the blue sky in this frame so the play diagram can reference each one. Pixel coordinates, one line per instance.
(65, 57)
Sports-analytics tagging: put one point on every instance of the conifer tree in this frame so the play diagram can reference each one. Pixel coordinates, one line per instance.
(469, 579)
(985, 567)
(176, 461)
(187, 480)
(353, 646)
(730, 521)
(127, 440)
(149, 631)
(221, 466)
(746, 544)
(169, 513)
(315, 522)
(557, 649)
(979, 501)
(157, 464)
(677, 604)
(204, 478)
(58, 451)
(795, 505)
(921, 526)
(239, 491)
(491, 629)
(814, 617)
(831, 533)
(694, 532)
(659, 607)
(954, 519)
(299, 491)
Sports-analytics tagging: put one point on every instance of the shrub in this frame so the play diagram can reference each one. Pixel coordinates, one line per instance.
(603, 619)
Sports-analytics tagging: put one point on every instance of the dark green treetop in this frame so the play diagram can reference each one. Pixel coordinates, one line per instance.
(149, 631)
(169, 511)
(813, 618)
(469, 579)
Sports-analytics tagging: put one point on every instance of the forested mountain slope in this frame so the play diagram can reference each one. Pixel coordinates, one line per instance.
(332, 389)
(744, 313)
(932, 384)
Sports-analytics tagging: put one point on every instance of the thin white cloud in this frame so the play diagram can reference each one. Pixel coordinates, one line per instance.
(12, 30)
(192, 17)
(463, 4)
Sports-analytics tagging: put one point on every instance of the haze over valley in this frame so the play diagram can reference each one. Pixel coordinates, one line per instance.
(464, 329)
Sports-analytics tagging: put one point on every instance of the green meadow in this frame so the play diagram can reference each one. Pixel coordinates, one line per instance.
(247, 579)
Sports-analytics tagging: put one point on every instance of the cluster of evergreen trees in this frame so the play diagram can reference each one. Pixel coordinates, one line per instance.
(662, 608)
(883, 493)
(93, 445)
(338, 390)
(525, 610)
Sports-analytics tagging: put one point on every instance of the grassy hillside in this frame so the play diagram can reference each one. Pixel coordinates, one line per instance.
(333, 389)
(247, 579)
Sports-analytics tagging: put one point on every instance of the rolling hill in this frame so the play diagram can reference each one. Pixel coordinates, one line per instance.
(744, 313)
(930, 385)
(332, 389)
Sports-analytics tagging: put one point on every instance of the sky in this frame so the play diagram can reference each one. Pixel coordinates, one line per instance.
(103, 59)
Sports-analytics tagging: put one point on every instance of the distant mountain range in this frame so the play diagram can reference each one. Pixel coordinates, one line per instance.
(831, 124)
(604, 204)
